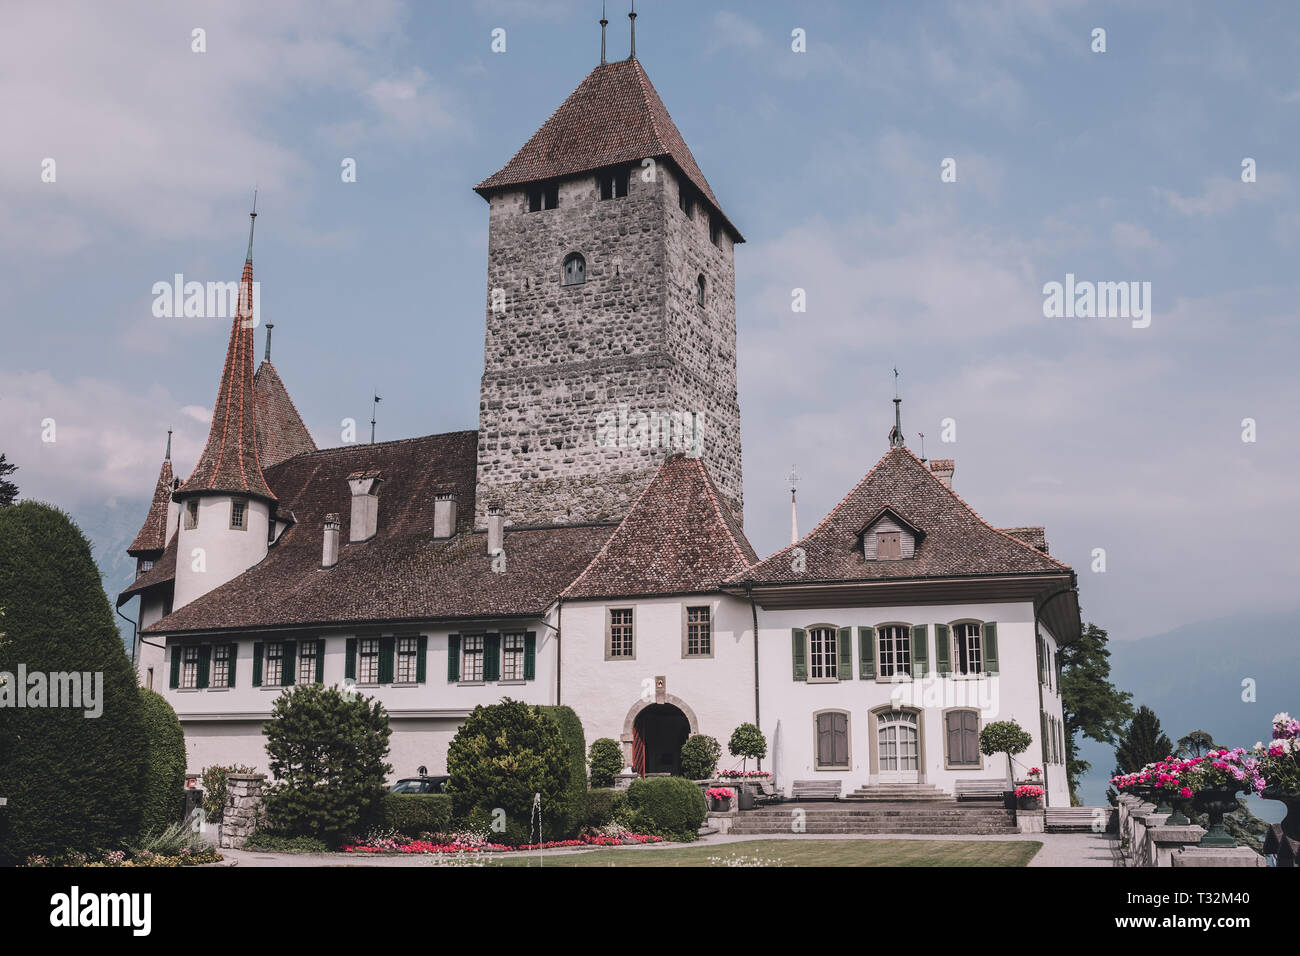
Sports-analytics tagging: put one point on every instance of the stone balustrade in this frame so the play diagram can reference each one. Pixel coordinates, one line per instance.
(1150, 841)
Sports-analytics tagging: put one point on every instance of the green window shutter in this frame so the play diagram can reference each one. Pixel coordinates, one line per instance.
(1058, 671)
(453, 657)
(387, 646)
(350, 665)
(1042, 727)
(866, 653)
(205, 664)
(288, 650)
(942, 648)
(176, 666)
(491, 656)
(920, 650)
(1038, 646)
(230, 664)
(799, 652)
(257, 664)
(991, 647)
(320, 660)
(845, 642)
(421, 650)
(530, 655)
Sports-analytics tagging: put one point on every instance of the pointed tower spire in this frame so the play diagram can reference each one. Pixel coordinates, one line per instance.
(896, 433)
(152, 537)
(603, 23)
(632, 16)
(269, 327)
(168, 456)
(794, 517)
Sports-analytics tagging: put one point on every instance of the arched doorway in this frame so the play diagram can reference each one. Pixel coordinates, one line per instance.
(898, 746)
(658, 733)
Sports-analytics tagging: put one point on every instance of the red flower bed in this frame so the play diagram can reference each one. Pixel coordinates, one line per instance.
(423, 846)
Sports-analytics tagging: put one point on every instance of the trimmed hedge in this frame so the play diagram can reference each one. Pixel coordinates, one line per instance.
(700, 756)
(414, 813)
(606, 760)
(603, 807)
(670, 807)
(570, 814)
(164, 776)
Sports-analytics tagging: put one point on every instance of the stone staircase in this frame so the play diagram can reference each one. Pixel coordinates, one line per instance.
(899, 793)
(938, 817)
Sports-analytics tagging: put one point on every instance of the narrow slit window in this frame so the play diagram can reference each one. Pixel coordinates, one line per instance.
(699, 289)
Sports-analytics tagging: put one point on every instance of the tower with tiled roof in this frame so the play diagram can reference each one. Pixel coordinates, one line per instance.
(160, 523)
(280, 431)
(226, 504)
(610, 307)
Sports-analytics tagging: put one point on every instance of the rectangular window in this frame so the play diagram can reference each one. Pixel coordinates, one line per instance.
(613, 184)
(191, 514)
(888, 546)
(145, 565)
(190, 666)
(512, 656)
(306, 662)
(220, 665)
(273, 665)
(406, 651)
(823, 655)
(471, 660)
(715, 224)
(895, 651)
(620, 633)
(968, 649)
(699, 632)
(543, 197)
(962, 733)
(832, 729)
(368, 660)
(237, 509)
(684, 201)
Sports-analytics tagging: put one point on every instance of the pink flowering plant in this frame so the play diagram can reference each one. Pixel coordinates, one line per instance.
(1029, 790)
(744, 774)
(1279, 759)
(719, 793)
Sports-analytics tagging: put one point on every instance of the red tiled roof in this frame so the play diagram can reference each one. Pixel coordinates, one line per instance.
(280, 431)
(229, 462)
(614, 116)
(1035, 536)
(153, 533)
(403, 572)
(677, 538)
(957, 541)
(162, 572)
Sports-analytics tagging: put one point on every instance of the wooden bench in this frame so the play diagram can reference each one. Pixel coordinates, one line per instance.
(767, 792)
(816, 790)
(989, 789)
(1063, 819)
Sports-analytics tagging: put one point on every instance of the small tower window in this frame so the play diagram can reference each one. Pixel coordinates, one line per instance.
(613, 183)
(684, 201)
(699, 289)
(714, 228)
(237, 509)
(543, 197)
(575, 269)
(191, 514)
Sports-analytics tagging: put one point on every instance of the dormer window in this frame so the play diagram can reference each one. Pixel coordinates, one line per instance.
(575, 269)
(613, 183)
(889, 537)
(543, 197)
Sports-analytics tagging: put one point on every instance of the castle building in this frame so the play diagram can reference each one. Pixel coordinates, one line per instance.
(585, 545)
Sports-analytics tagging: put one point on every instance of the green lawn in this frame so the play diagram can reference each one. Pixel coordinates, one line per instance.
(803, 852)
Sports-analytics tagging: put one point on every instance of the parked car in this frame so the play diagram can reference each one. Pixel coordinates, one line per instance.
(420, 785)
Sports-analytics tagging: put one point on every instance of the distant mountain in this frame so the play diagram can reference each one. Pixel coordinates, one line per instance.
(1192, 678)
(111, 527)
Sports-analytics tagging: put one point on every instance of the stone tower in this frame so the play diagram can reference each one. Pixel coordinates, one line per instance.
(611, 315)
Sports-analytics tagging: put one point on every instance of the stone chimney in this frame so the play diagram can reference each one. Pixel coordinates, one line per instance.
(330, 549)
(942, 468)
(444, 514)
(365, 505)
(496, 530)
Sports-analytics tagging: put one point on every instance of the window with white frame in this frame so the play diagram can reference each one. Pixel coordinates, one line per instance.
(307, 662)
(823, 654)
(621, 640)
(407, 650)
(699, 631)
(968, 649)
(471, 657)
(191, 514)
(273, 665)
(512, 656)
(894, 651)
(190, 666)
(368, 660)
(220, 666)
(237, 509)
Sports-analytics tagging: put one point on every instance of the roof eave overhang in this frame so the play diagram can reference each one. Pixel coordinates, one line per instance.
(387, 625)
(180, 494)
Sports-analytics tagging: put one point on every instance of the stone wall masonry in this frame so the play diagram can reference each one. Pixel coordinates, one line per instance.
(243, 812)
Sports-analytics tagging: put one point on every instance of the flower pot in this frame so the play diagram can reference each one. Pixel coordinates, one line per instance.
(719, 804)
(1282, 840)
(746, 798)
(1028, 803)
(1291, 822)
(1215, 802)
(1179, 818)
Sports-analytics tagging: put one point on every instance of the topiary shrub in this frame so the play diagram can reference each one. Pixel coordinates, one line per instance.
(605, 760)
(163, 801)
(564, 819)
(700, 756)
(414, 813)
(326, 751)
(502, 755)
(670, 807)
(603, 807)
(213, 780)
(73, 782)
(1004, 737)
(748, 742)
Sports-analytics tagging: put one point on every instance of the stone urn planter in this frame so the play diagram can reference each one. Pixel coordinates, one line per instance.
(719, 799)
(1029, 803)
(1283, 839)
(1180, 804)
(1215, 802)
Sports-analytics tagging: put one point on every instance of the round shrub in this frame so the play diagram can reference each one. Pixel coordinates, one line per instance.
(700, 756)
(603, 807)
(670, 807)
(213, 781)
(73, 782)
(748, 742)
(163, 801)
(414, 813)
(606, 760)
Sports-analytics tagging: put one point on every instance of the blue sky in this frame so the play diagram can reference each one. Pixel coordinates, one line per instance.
(1115, 166)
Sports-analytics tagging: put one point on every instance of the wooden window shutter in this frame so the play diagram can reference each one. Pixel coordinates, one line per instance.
(231, 654)
(1042, 727)
(991, 647)
(823, 731)
(453, 657)
(176, 666)
(386, 648)
(287, 666)
(952, 734)
(920, 650)
(421, 652)
(257, 663)
(1058, 671)
(320, 660)
(530, 655)
(1038, 646)
(205, 664)
(866, 653)
(845, 642)
(799, 652)
(350, 664)
(840, 737)
(491, 656)
(943, 648)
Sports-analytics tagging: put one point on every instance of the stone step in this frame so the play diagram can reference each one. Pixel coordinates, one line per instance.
(910, 831)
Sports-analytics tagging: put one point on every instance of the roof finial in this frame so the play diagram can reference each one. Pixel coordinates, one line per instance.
(269, 327)
(252, 221)
(168, 456)
(603, 23)
(374, 409)
(896, 433)
(794, 520)
(632, 16)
